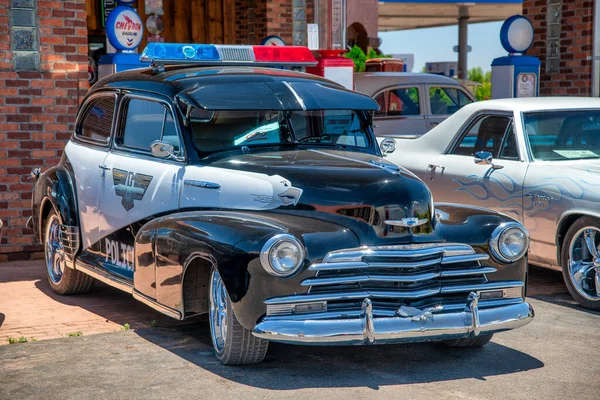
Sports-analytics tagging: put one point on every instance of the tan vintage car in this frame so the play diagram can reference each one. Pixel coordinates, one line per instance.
(410, 103)
(536, 160)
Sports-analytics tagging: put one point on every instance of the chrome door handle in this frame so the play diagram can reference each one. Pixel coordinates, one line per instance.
(201, 184)
(104, 168)
(432, 168)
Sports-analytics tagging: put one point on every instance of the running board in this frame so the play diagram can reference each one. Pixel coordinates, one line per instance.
(125, 286)
(104, 277)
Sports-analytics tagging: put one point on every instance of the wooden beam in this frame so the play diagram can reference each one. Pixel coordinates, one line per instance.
(198, 21)
(215, 21)
(182, 21)
(229, 21)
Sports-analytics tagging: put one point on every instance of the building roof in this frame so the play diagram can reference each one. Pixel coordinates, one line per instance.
(395, 15)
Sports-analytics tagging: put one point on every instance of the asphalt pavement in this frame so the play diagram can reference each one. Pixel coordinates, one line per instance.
(557, 356)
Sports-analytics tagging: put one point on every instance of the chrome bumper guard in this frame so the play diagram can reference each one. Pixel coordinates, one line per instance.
(426, 326)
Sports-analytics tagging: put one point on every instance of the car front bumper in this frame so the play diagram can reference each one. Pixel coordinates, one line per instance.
(367, 329)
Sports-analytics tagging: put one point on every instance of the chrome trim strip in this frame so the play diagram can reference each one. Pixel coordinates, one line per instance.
(481, 286)
(463, 272)
(157, 306)
(104, 277)
(465, 258)
(409, 251)
(361, 278)
(396, 294)
(367, 329)
(329, 266)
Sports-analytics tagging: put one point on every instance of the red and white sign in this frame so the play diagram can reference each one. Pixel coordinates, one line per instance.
(124, 28)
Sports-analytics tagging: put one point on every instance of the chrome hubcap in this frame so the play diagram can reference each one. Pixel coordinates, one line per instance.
(55, 260)
(584, 263)
(218, 312)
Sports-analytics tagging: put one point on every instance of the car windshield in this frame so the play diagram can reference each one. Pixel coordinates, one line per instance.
(226, 130)
(563, 135)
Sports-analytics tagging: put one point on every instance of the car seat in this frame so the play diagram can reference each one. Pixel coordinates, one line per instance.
(491, 132)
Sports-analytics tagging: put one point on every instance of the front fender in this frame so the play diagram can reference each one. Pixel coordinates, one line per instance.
(474, 226)
(231, 242)
(54, 188)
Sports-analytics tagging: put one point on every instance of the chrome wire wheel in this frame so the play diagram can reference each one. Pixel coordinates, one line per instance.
(55, 260)
(219, 307)
(584, 262)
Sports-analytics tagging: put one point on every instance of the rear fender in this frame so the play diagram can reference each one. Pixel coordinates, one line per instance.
(54, 190)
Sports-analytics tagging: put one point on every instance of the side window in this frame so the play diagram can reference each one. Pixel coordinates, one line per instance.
(97, 121)
(510, 151)
(403, 101)
(145, 122)
(486, 134)
(446, 101)
(381, 100)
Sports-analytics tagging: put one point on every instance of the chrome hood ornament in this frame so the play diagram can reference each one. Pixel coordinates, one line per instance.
(407, 222)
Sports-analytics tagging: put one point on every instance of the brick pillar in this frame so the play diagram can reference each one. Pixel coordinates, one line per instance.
(43, 77)
(257, 19)
(563, 40)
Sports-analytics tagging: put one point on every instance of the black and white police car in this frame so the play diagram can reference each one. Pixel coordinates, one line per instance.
(259, 196)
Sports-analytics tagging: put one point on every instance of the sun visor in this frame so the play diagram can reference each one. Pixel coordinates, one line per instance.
(276, 96)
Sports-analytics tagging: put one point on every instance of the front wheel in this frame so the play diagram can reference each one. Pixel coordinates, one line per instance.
(62, 279)
(580, 262)
(233, 344)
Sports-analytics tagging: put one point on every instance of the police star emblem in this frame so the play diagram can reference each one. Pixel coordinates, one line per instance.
(130, 186)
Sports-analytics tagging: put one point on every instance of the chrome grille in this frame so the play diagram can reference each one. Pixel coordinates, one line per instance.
(419, 275)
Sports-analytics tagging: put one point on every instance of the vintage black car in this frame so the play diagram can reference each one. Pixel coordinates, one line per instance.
(259, 196)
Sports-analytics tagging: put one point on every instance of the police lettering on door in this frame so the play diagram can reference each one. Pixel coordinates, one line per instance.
(119, 254)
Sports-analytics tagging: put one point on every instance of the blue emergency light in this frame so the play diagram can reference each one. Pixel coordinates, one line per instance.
(217, 54)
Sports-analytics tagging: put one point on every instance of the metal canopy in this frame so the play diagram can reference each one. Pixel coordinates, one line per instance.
(395, 15)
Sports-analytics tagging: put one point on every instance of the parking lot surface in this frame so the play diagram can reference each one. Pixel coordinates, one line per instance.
(554, 357)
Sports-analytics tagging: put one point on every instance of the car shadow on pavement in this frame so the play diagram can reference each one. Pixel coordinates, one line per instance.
(548, 285)
(290, 367)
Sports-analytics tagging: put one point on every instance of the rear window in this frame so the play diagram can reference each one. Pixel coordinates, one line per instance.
(96, 123)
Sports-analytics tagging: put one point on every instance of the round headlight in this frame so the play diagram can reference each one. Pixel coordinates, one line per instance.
(509, 242)
(282, 255)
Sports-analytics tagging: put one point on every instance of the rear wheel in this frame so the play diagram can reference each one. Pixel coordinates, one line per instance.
(233, 344)
(580, 262)
(62, 279)
(478, 341)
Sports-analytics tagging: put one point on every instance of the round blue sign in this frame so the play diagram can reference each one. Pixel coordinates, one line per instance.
(516, 34)
(125, 2)
(124, 28)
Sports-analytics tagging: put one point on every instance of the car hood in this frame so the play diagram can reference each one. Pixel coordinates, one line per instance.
(359, 190)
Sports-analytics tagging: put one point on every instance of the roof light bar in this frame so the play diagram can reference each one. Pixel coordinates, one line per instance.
(211, 54)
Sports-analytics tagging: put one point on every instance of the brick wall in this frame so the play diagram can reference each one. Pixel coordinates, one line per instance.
(257, 19)
(40, 90)
(563, 40)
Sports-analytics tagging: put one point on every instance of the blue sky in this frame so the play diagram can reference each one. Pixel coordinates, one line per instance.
(435, 44)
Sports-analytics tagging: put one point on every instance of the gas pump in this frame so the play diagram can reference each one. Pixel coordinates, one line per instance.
(124, 30)
(516, 75)
(330, 17)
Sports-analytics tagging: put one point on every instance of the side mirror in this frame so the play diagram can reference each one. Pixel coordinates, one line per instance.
(162, 149)
(485, 158)
(387, 146)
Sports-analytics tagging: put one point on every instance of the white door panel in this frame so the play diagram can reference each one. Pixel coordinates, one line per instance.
(88, 181)
(457, 179)
(225, 188)
(136, 188)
